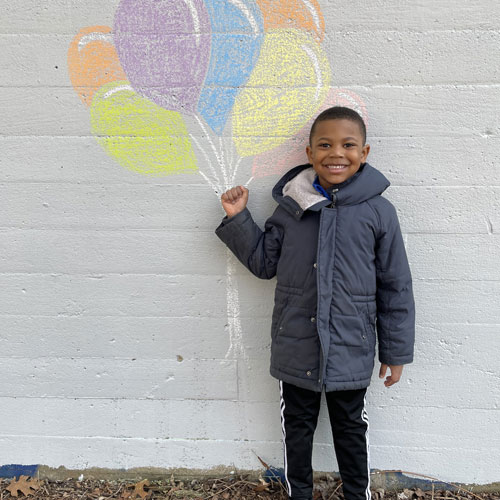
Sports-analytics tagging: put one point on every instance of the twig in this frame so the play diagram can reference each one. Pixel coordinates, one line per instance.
(335, 491)
(261, 461)
(459, 488)
(225, 489)
(115, 493)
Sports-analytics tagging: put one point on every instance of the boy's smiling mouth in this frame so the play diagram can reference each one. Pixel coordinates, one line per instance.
(335, 167)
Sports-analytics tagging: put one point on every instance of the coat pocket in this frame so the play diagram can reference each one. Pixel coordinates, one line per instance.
(283, 296)
(296, 347)
(370, 330)
(350, 331)
(280, 303)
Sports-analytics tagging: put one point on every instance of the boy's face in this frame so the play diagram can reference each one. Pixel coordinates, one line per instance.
(336, 151)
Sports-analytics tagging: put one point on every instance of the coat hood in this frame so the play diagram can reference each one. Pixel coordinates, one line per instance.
(295, 191)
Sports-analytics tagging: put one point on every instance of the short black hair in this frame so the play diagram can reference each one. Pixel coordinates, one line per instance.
(339, 113)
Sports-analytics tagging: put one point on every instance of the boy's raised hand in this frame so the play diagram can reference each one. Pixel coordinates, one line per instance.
(234, 200)
(396, 372)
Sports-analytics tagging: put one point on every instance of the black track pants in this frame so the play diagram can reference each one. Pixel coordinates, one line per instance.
(349, 421)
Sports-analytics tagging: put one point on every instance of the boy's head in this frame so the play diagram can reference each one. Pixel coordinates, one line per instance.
(337, 146)
(339, 113)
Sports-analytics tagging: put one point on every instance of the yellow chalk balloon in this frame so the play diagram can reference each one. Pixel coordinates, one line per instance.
(140, 135)
(287, 86)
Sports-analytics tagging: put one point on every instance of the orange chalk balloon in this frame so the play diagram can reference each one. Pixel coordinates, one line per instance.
(296, 14)
(93, 61)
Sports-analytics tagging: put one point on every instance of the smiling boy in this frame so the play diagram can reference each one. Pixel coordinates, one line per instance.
(343, 282)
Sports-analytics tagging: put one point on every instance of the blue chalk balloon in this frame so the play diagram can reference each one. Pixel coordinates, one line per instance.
(237, 34)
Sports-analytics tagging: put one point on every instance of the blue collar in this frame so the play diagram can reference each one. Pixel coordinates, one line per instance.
(321, 190)
(328, 193)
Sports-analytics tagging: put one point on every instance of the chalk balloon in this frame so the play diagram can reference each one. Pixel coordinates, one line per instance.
(290, 14)
(287, 86)
(237, 33)
(139, 134)
(164, 48)
(93, 61)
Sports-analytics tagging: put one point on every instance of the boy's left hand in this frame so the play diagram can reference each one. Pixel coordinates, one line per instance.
(396, 371)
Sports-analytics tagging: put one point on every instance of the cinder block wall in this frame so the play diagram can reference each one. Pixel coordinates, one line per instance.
(115, 344)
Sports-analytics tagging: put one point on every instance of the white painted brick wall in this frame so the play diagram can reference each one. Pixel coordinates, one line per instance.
(106, 276)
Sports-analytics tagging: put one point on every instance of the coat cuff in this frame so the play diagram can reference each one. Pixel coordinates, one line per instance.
(387, 359)
(239, 218)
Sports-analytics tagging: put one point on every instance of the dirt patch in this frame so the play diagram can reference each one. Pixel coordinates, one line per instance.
(234, 488)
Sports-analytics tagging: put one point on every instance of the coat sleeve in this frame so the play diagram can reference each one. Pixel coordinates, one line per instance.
(395, 302)
(257, 250)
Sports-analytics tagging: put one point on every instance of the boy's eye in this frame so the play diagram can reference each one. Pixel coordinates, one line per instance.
(324, 145)
(349, 144)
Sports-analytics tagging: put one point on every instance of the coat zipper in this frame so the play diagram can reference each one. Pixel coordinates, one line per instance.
(334, 199)
(323, 360)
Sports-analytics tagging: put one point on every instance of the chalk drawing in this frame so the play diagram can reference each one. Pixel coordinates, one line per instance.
(292, 152)
(249, 75)
(304, 15)
(93, 61)
(139, 134)
(164, 49)
(236, 348)
(286, 87)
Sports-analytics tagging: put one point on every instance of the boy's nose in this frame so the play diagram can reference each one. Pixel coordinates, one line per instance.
(336, 152)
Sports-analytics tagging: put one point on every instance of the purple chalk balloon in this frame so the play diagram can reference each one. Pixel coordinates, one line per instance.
(164, 49)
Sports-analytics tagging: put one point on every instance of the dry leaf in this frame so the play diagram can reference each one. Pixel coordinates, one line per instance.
(138, 491)
(25, 484)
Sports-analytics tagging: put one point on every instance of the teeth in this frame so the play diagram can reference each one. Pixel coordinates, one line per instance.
(336, 167)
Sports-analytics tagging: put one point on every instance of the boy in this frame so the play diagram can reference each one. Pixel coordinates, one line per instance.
(343, 280)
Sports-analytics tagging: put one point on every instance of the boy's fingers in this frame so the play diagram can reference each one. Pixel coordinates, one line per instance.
(229, 195)
(234, 194)
(382, 371)
(390, 381)
(395, 375)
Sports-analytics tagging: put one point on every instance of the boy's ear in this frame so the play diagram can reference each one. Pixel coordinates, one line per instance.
(309, 153)
(364, 152)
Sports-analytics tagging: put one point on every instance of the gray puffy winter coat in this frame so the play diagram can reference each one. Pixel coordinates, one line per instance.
(343, 279)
